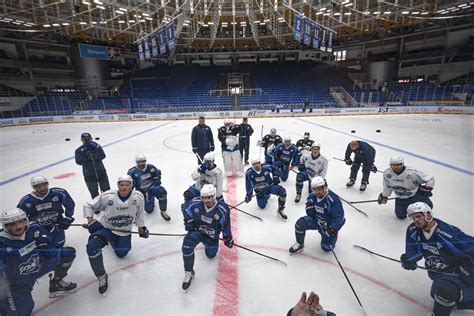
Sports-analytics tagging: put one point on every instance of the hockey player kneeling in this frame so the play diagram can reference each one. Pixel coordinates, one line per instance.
(116, 211)
(324, 214)
(204, 220)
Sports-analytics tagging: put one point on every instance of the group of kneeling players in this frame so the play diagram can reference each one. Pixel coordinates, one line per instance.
(33, 238)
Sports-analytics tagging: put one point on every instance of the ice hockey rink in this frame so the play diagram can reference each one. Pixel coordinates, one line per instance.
(237, 282)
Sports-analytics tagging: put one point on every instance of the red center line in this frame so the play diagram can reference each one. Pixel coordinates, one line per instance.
(226, 300)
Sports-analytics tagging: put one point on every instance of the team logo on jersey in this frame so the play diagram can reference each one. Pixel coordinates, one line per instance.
(436, 263)
(206, 219)
(28, 205)
(44, 206)
(134, 202)
(196, 210)
(36, 233)
(47, 218)
(28, 248)
(32, 265)
(388, 175)
(110, 202)
(121, 220)
(216, 217)
(152, 170)
(55, 199)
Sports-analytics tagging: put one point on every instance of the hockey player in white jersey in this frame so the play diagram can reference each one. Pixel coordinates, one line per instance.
(410, 186)
(232, 157)
(116, 211)
(206, 173)
(311, 165)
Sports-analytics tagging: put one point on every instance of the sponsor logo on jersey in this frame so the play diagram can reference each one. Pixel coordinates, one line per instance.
(32, 265)
(388, 175)
(121, 220)
(121, 208)
(47, 218)
(28, 248)
(260, 179)
(44, 206)
(206, 219)
(439, 231)
(145, 176)
(207, 230)
(319, 209)
(429, 248)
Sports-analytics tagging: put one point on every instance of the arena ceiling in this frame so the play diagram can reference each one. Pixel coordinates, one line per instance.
(223, 24)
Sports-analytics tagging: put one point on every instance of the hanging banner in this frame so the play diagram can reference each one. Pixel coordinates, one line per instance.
(298, 33)
(170, 35)
(154, 46)
(308, 28)
(316, 37)
(141, 55)
(161, 40)
(323, 41)
(330, 35)
(146, 47)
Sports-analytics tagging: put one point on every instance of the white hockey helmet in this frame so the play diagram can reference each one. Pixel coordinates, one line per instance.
(227, 122)
(255, 160)
(287, 139)
(273, 131)
(396, 160)
(208, 190)
(316, 144)
(419, 207)
(209, 157)
(36, 180)
(317, 182)
(306, 135)
(13, 215)
(140, 157)
(125, 178)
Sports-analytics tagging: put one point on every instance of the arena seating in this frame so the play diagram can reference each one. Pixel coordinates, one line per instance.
(54, 103)
(426, 92)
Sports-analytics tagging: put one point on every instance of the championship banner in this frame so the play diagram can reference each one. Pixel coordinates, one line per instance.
(330, 35)
(146, 47)
(141, 55)
(154, 46)
(316, 37)
(161, 40)
(308, 27)
(170, 35)
(323, 41)
(298, 33)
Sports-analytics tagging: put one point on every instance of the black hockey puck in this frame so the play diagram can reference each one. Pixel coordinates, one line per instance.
(378, 131)
(67, 139)
(353, 131)
(97, 138)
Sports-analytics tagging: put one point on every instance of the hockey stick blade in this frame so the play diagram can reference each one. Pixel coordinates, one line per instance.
(395, 260)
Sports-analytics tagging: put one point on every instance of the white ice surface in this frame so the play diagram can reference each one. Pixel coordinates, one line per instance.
(148, 280)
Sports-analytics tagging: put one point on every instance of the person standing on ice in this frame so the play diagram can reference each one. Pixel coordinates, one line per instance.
(449, 258)
(364, 155)
(227, 135)
(410, 186)
(202, 139)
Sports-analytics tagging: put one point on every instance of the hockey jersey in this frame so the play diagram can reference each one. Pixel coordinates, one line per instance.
(144, 179)
(328, 211)
(259, 181)
(315, 166)
(211, 176)
(209, 221)
(289, 156)
(405, 184)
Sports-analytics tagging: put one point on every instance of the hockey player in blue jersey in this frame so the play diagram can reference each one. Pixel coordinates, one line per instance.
(264, 180)
(285, 157)
(446, 250)
(147, 180)
(26, 254)
(52, 208)
(204, 220)
(324, 214)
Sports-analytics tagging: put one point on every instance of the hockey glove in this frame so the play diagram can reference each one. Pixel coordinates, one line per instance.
(189, 225)
(382, 199)
(65, 222)
(229, 241)
(94, 226)
(276, 180)
(195, 150)
(43, 245)
(407, 265)
(259, 143)
(143, 232)
(348, 161)
(212, 147)
(248, 198)
(332, 232)
(373, 168)
(426, 190)
(301, 167)
(202, 168)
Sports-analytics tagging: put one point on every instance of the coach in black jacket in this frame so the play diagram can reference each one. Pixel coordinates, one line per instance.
(202, 139)
(364, 155)
(90, 156)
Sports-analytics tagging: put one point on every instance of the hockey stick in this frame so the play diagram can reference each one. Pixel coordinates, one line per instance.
(266, 187)
(261, 136)
(239, 210)
(199, 158)
(95, 171)
(395, 260)
(348, 281)
(358, 210)
(8, 290)
(345, 161)
(369, 201)
(132, 232)
(258, 253)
